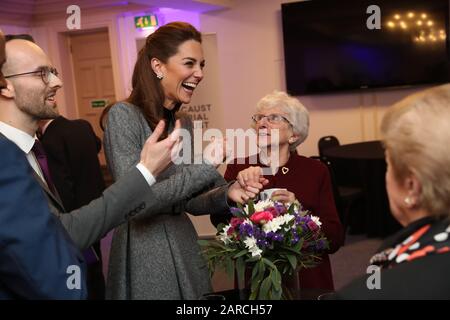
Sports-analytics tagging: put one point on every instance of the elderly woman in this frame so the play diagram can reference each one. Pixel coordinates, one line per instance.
(415, 262)
(282, 123)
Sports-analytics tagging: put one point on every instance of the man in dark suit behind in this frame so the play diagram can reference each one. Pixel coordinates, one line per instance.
(72, 148)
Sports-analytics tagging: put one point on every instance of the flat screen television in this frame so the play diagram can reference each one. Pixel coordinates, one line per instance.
(335, 45)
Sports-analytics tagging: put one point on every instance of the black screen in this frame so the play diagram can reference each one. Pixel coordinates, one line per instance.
(329, 47)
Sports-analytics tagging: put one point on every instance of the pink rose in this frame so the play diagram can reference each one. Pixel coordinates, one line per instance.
(236, 221)
(230, 231)
(261, 217)
(273, 211)
(312, 226)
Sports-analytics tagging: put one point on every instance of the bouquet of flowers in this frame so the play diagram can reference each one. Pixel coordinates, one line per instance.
(270, 239)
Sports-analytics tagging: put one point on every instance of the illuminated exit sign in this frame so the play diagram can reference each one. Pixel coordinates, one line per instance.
(142, 22)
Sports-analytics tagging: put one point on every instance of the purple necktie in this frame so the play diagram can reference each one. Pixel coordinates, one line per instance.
(89, 254)
(41, 157)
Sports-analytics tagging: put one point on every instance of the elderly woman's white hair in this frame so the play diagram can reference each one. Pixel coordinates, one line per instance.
(416, 134)
(296, 113)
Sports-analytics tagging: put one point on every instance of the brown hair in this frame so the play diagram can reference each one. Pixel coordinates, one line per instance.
(147, 93)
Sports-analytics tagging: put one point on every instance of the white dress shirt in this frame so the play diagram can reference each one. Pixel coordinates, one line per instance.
(25, 142)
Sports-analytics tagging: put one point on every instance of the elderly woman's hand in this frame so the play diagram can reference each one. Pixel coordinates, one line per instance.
(251, 177)
(284, 196)
(241, 195)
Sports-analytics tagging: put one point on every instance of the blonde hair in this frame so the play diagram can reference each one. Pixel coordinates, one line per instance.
(296, 112)
(416, 133)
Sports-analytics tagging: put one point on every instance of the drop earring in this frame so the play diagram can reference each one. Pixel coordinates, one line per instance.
(159, 76)
(408, 201)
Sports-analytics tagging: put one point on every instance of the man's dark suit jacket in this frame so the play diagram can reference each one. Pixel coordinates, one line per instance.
(35, 250)
(72, 148)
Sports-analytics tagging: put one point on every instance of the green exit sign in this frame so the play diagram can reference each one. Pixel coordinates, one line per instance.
(145, 21)
(99, 103)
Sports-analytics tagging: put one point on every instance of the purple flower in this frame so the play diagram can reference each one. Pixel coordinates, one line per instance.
(236, 211)
(259, 234)
(246, 229)
(278, 237)
(320, 245)
(262, 243)
(279, 207)
(270, 235)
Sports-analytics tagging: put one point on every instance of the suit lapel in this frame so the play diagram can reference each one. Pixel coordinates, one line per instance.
(53, 197)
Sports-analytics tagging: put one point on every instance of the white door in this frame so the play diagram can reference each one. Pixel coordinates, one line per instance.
(91, 56)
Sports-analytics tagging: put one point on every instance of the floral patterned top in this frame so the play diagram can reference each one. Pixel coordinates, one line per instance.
(425, 238)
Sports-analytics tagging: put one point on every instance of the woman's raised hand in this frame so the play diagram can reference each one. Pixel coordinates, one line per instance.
(156, 155)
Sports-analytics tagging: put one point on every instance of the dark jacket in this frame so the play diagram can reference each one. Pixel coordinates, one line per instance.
(413, 265)
(72, 148)
(35, 250)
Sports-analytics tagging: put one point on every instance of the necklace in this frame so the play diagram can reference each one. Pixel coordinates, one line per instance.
(284, 170)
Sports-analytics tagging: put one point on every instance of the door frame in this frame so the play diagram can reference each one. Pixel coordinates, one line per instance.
(71, 72)
(56, 44)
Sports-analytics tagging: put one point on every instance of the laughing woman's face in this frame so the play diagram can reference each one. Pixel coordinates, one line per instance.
(182, 73)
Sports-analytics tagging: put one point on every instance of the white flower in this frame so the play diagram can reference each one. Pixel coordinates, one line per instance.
(261, 205)
(316, 220)
(275, 224)
(223, 236)
(250, 244)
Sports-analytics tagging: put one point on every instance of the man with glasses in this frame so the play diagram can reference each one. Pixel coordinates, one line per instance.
(63, 187)
(43, 72)
(35, 250)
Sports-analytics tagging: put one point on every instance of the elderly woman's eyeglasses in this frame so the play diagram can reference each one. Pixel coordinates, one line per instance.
(271, 118)
(44, 73)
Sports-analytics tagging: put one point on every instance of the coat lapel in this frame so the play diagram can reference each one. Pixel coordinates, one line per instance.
(53, 197)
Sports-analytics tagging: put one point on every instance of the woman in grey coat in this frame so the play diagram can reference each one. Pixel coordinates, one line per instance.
(158, 257)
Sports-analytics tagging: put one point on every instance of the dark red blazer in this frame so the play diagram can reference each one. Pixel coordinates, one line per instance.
(309, 180)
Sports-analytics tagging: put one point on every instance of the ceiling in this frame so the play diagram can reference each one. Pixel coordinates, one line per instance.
(24, 12)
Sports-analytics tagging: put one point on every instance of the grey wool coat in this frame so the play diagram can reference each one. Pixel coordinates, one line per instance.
(157, 257)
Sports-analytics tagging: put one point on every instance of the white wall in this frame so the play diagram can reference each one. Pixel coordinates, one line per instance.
(250, 46)
(9, 29)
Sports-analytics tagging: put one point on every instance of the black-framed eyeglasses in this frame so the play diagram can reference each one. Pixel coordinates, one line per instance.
(44, 72)
(271, 118)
